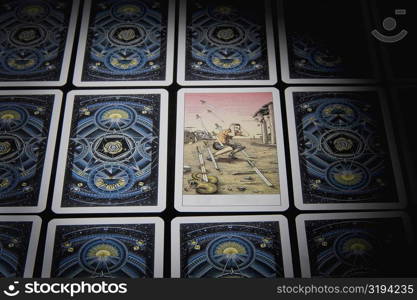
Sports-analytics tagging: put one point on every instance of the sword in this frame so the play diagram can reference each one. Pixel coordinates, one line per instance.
(255, 168)
(213, 159)
(202, 165)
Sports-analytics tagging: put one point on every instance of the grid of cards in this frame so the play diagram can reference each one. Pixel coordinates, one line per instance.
(262, 147)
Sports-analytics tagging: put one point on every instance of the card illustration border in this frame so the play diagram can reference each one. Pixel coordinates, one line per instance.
(283, 231)
(63, 155)
(295, 160)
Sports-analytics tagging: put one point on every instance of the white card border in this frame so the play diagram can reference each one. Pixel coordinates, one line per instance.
(158, 238)
(49, 153)
(283, 231)
(240, 201)
(295, 161)
(284, 59)
(63, 155)
(181, 55)
(82, 43)
(66, 57)
(33, 241)
(302, 235)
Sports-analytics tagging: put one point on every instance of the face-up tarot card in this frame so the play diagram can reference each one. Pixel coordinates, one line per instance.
(229, 152)
(343, 151)
(104, 248)
(326, 42)
(126, 43)
(231, 247)
(354, 244)
(28, 129)
(36, 39)
(113, 152)
(226, 43)
(19, 236)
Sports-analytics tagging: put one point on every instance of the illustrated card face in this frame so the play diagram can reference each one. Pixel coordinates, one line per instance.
(353, 244)
(28, 128)
(342, 149)
(226, 43)
(229, 152)
(36, 40)
(231, 247)
(320, 44)
(113, 152)
(104, 248)
(126, 43)
(19, 237)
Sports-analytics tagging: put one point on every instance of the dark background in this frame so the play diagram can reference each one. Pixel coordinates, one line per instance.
(403, 118)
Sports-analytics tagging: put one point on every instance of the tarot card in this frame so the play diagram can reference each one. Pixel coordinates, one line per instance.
(226, 42)
(326, 42)
(230, 152)
(343, 151)
(231, 247)
(391, 30)
(353, 244)
(36, 39)
(28, 128)
(126, 43)
(104, 248)
(113, 152)
(19, 236)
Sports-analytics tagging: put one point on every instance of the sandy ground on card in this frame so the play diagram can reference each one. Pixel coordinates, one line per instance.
(235, 176)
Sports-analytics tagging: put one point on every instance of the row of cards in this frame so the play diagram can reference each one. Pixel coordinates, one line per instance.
(330, 245)
(221, 42)
(230, 150)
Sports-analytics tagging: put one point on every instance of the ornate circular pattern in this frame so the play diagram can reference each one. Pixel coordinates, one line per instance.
(227, 60)
(12, 118)
(103, 255)
(129, 11)
(33, 11)
(127, 35)
(116, 117)
(338, 115)
(22, 60)
(223, 12)
(226, 34)
(11, 147)
(113, 148)
(355, 248)
(122, 60)
(325, 60)
(8, 178)
(342, 144)
(347, 176)
(110, 179)
(28, 35)
(229, 253)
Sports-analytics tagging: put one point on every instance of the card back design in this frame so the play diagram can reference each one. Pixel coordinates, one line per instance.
(33, 41)
(125, 41)
(343, 150)
(226, 41)
(313, 51)
(105, 251)
(115, 153)
(18, 242)
(27, 140)
(228, 150)
(231, 250)
(354, 247)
